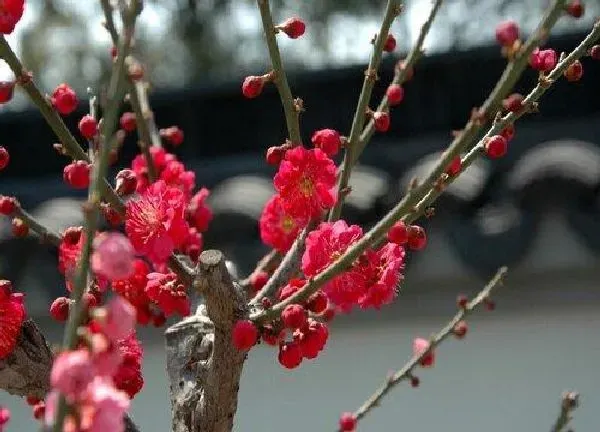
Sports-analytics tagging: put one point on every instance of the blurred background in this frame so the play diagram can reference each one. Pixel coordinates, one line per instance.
(537, 210)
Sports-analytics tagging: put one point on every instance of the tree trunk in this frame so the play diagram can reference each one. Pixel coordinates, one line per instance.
(203, 366)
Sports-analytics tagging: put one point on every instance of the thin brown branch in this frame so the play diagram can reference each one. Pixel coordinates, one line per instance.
(70, 144)
(392, 10)
(406, 371)
(532, 97)
(137, 98)
(400, 76)
(412, 198)
(46, 235)
(68, 141)
(92, 207)
(568, 404)
(267, 264)
(289, 265)
(290, 107)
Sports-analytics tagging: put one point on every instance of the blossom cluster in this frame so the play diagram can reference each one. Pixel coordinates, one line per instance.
(99, 378)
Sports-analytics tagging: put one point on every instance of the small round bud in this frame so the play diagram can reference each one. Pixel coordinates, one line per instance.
(398, 233)
(508, 132)
(454, 167)
(328, 140)
(575, 8)
(275, 155)
(414, 381)
(290, 355)
(77, 174)
(128, 121)
(293, 27)
(318, 302)
(252, 86)
(489, 304)
(64, 99)
(4, 158)
(172, 135)
(595, 52)
(507, 32)
(7, 205)
(259, 280)
(20, 229)
(381, 120)
(395, 94)
(496, 146)
(88, 127)
(390, 43)
(59, 310)
(39, 410)
(6, 91)
(294, 316)
(347, 422)
(417, 238)
(460, 329)
(513, 103)
(244, 335)
(462, 301)
(126, 182)
(574, 72)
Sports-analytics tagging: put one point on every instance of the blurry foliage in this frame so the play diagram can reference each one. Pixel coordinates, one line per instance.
(194, 42)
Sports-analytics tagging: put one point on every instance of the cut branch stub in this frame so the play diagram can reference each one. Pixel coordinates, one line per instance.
(203, 366)
(26, 371)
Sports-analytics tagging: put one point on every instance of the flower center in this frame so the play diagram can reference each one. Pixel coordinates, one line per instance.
(307, 186)
(287, 224)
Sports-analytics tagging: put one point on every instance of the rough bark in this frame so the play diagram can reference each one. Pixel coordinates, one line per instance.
(26, 371)
(203, 366)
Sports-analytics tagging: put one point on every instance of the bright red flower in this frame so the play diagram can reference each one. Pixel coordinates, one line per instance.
(193, 244)
(198, 212)
(323, 247)
(128, 377)
(306, 182)
(277, 228)
(12, 314)
(155, 222)
(175, 174)
(168, 294)
(382, 271)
